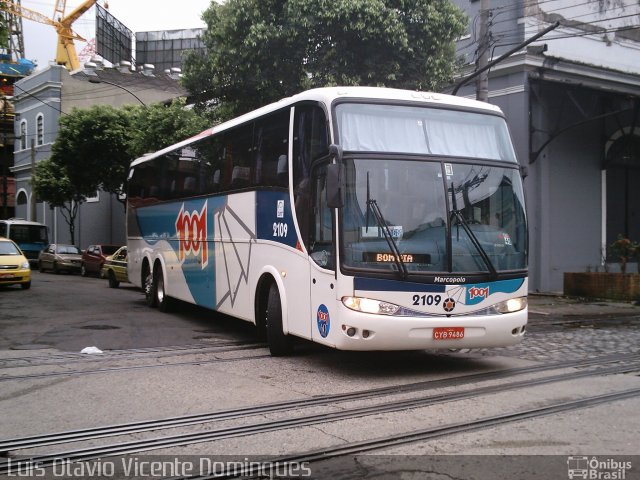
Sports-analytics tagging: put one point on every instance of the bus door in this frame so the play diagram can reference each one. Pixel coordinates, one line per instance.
(322, 257)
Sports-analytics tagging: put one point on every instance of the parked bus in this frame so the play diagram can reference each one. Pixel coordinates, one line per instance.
(359, 218)
(31, 237)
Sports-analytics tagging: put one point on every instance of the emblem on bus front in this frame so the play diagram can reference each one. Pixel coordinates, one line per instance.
(324, 321)
(191, 229)
(449, 304)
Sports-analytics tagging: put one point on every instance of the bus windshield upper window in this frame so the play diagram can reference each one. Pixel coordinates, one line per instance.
(422, 130)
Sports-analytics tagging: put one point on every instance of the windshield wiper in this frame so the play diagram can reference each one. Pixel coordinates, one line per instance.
(393, 246)
(465, 226)
(475, 241)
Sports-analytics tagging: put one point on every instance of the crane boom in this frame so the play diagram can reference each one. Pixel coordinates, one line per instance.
(24, 12)
(66, 51)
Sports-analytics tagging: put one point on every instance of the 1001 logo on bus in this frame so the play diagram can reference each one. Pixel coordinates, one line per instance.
(191, 228)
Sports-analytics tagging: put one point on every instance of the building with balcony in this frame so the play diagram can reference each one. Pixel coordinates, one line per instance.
(39, 101)
(572, 101)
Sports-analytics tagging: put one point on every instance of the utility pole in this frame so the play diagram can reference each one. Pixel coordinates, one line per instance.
(32, 203)
(482, 82)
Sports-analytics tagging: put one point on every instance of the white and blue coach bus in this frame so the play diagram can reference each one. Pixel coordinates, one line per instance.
(359, 218)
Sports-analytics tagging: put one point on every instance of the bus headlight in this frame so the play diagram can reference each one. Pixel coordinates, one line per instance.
(367, 305)
(512, 305)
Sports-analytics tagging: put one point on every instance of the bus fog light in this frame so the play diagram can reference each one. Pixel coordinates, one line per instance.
(365, 333)
(351, 331)
(367, 305)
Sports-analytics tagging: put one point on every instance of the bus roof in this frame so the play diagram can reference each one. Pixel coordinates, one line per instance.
(327, 95)
(21, 221)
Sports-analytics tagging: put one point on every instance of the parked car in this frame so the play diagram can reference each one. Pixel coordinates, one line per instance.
(14, 266)
(58, 257)
(93, 258)
(115, 268)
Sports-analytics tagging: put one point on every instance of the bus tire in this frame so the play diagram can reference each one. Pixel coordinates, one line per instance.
(162, 300)
(280, 344)
(148, 286)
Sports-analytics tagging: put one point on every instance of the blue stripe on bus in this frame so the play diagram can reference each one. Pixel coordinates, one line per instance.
(383, 285)
(274, 219)
(196, 251)
(477, 292)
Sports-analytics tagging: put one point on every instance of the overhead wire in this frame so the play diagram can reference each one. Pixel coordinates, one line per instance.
(514, 36)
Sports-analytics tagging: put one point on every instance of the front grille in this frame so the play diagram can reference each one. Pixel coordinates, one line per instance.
(8, 267)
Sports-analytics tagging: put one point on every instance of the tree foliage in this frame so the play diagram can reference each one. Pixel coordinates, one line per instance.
(261, 50)
(51, 182)
(4, 30)
(95, 146)
(157, 126)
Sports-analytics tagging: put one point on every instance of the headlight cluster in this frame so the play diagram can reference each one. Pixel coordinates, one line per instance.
(508, 306)
(512, 305)
(25, 266)
(378, 307)
(367, 305)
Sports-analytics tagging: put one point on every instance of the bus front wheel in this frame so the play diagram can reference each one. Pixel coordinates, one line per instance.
(280, 344)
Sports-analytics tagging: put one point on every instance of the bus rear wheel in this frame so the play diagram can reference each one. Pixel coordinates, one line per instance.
(162, 300)
(149, 286)
(280, 344)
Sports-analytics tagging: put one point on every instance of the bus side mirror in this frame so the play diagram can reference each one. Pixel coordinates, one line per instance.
(335, 185)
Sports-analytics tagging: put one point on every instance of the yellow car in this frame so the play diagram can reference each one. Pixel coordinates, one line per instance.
(14, 266)
(115, 268)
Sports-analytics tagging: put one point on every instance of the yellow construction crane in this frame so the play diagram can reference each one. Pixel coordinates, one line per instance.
(66, 52)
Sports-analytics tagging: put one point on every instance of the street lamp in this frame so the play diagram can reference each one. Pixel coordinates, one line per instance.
(99, 80)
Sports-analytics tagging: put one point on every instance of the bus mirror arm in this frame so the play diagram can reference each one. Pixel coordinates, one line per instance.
(524, 171)
(335, 152)
(335, 185)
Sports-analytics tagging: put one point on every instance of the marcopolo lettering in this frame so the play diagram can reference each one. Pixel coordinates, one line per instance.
(450, 279)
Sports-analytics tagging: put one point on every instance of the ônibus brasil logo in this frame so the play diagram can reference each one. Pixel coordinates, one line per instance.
(191, 228)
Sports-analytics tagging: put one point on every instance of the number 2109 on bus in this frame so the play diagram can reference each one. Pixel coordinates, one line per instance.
(360, 218)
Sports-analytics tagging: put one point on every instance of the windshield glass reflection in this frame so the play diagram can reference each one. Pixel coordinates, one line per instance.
(412, 198)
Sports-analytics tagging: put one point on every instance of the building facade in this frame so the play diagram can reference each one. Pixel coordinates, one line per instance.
(39, 101)
(572, 101)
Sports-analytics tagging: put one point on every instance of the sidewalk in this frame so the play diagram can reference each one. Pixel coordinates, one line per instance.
(556, 305)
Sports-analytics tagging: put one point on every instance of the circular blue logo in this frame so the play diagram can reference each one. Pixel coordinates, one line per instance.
(324, 322)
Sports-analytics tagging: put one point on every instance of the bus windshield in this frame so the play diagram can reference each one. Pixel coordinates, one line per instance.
(444, 217)
(424, 131)
(25, 234)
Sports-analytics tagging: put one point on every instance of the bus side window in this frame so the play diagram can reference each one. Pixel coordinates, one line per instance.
(321, 242)
(239, 148)
(310, 142)
(271, 146)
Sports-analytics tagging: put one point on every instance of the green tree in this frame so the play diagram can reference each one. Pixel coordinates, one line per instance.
(51, 183)
(4, 30)
(261, 50)
(95, 146)
(158, 126)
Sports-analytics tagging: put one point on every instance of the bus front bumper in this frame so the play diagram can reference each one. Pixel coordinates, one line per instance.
(359, 331)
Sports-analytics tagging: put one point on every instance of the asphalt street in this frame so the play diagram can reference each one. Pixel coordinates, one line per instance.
(201, 389)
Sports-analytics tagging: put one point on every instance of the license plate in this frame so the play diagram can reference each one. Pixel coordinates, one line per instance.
(7, 275)
(448, 333)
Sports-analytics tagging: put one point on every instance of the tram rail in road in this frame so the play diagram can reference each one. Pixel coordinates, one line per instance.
(124, 448)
